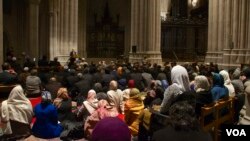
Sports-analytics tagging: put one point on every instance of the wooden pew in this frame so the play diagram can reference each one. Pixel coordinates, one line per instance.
(225, 114)
(208, 125)
(208, 110)
(222, 111)
(227, 105)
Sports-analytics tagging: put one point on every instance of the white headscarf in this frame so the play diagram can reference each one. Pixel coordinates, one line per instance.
(227, 82)
(180, 77)
(17, 107)
(225, 77)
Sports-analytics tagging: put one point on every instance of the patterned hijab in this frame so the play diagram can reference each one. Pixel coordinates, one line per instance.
(62, 93)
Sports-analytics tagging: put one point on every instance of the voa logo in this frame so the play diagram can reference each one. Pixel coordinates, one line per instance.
(236, 132)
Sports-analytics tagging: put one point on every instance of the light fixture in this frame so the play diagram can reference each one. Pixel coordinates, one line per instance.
(163, 16)
(194, 3)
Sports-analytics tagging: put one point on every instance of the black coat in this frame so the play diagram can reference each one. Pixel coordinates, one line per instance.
(65, 111)
(202, 98)
(7, 78)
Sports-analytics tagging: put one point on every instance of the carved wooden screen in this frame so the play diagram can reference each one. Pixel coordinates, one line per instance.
(184, 34)
(184, 37)
(106, 37)
(105, 41)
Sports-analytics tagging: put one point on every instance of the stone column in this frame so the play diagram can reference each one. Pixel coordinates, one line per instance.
(218, 32)
(34, 28)
(82, 28)
(228, 33)
(237, 48)
(63, 28)
(248, 29)
(145, 31)
(1, 32)
(74, 26)
(53, 20)
(214, 54)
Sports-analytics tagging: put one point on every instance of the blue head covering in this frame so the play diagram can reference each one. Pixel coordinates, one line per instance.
(218, 79)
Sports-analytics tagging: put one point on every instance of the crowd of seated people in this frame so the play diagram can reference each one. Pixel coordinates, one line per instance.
(120, 90)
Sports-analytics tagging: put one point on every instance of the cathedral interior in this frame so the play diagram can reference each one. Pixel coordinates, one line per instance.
(154, 33)
(157, 30)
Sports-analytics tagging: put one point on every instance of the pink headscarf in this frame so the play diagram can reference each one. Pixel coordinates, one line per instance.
(105, 110)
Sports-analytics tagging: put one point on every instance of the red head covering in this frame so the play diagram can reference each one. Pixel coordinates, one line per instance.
(131, 83)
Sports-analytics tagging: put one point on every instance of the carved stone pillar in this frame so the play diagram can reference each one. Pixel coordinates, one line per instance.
(53, 33)
(237, 48)
(228, 33)
(213, 54)
(248, 28)
(82, 14)
(63, 28)
(1, 32)
(33, 28)
(145, 31)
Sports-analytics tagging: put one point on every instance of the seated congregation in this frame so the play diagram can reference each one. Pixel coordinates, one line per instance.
(120, 101)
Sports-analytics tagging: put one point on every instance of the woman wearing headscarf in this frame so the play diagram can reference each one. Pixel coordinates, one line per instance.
(133, 107)
(16, 113)
(155, 93)
(104, 110)
(64, 105)
(227, 83)
(180, 84)
(126, 92)
(46, 125)
(71, 128)
(89, 105)
(218, 90)
(203, 92)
